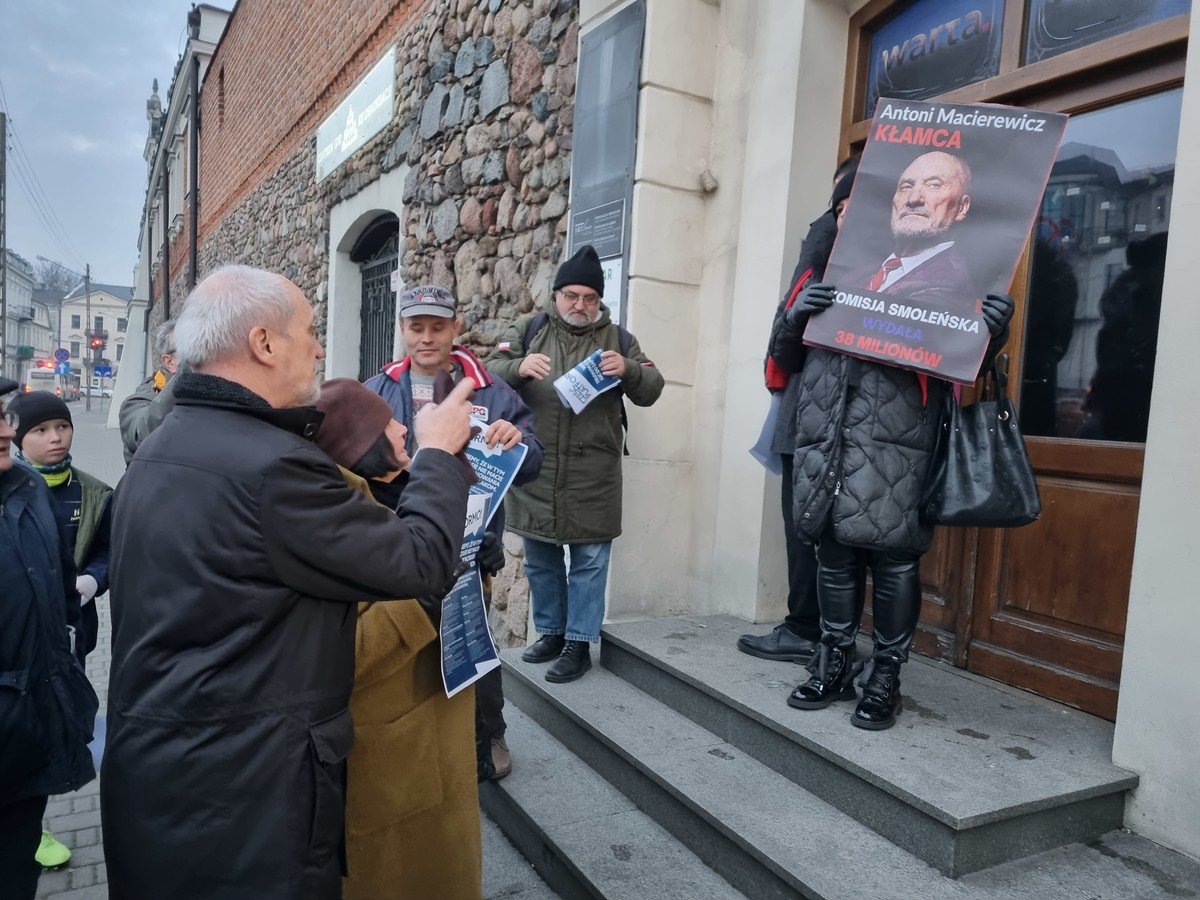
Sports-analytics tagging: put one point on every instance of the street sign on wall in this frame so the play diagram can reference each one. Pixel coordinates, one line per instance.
(359, 117)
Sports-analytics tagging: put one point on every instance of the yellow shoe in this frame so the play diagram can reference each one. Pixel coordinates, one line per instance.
(52, 853)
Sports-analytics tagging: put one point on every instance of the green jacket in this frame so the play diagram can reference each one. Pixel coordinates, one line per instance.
(95, 493)
(142, 412)
(577, 498)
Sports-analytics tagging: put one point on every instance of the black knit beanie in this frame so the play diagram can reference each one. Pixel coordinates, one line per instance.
(582, 268)
(34, 408)
(845, 184)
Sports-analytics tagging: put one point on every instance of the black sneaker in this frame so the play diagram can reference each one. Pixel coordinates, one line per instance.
(780, 644)
(575, 659)
(544, 649)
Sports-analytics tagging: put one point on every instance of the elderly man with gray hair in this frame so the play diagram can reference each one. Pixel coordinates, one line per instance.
(144, 409)
(239, 554)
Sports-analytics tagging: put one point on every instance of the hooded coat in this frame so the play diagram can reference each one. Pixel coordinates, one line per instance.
(577, 497)
(233, 644)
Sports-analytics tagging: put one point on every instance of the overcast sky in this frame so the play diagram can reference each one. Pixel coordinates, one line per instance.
(76, 75)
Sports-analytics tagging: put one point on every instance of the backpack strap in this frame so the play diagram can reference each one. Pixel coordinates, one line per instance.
(533, 328)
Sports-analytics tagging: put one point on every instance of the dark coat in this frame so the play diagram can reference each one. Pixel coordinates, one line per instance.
(239, 555)
(945, 275)
(577, 498)
(47, 706)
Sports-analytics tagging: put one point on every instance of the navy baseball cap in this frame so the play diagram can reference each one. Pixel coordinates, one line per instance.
(428, 300)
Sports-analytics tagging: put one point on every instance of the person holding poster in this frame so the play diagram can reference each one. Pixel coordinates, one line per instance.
(865, 436)
(430, 326)
(577, 500)
(399, 833)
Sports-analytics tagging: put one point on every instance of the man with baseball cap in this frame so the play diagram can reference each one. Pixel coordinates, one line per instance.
(430, 326)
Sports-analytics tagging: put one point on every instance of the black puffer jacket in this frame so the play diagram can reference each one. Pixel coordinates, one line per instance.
(864, 441)
(864, 444)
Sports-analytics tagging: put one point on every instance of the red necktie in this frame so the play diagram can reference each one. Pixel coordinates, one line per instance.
(877, 280)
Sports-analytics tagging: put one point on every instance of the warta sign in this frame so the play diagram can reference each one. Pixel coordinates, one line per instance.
(359, 117)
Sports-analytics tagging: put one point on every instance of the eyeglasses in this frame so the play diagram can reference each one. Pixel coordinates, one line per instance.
(574, 299)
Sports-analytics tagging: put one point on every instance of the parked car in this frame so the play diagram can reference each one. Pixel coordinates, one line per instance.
(97, 392)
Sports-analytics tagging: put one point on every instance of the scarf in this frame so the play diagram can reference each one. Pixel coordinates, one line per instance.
(54, 474)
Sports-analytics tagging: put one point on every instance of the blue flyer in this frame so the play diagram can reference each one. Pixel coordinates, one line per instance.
(468, 651)
(495, 468)
(584, 383)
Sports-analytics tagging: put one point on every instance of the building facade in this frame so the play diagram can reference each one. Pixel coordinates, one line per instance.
(446, 141)
(26, 324)
(101, 315)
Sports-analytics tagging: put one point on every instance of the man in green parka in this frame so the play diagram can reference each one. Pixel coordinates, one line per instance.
(576, 501)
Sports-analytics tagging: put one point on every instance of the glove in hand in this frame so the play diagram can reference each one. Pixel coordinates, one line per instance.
(997, 311)
(491, 557)
(813, 299)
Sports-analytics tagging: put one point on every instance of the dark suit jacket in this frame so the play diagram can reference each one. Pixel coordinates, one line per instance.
(944, 277)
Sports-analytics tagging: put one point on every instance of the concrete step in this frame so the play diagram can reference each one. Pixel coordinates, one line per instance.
(581, 834)
(506, 873)
(764, 834)
(974, 773)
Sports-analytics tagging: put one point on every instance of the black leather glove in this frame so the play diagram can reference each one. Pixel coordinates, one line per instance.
(491, 557)
(997, 311)
(813, 299)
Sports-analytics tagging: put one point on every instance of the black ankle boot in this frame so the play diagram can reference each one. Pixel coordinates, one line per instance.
(832, 678)
(881, 701)
(544, 649)
(575, 659)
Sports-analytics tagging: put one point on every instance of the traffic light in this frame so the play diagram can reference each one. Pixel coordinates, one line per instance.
(97, 343)
(45, 364)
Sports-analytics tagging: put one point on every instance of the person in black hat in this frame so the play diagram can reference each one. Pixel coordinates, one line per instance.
(795, 638)
(44, 440)
(47, 721)
(576, 502)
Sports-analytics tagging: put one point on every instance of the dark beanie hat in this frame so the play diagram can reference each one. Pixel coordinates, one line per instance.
(582, 268)
(34, 408)
(355, 417)
(841, 190)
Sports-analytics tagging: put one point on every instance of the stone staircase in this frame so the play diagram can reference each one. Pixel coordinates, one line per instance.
(676, 769)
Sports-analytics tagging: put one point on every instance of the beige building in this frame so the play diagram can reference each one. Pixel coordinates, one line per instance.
(102, 313)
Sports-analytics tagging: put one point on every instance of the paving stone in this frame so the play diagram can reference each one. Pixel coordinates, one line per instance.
(75, 821)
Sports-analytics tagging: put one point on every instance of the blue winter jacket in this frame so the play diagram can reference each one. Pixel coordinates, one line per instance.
(492, 399)
(47, 706)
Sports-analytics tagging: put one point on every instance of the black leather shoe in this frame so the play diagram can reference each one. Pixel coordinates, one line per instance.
(544, 649)
(881, 701)
(575, 659)
(780, 644)
(832, 678)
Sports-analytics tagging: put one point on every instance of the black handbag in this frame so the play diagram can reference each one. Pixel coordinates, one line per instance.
(981, 475)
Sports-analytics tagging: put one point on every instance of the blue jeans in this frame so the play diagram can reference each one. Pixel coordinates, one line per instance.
(570, 603)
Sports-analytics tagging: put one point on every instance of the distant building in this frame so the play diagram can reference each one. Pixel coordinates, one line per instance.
(23, 325)
(104, 313)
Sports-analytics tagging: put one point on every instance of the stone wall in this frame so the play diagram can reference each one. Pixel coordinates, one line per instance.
(484, 113)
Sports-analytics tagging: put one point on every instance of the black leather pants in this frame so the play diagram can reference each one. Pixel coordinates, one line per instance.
(841, 586)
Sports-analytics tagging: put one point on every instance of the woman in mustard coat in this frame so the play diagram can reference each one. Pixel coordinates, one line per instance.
(412, 802)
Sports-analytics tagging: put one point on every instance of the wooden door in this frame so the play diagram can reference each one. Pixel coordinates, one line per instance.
(1050, 599)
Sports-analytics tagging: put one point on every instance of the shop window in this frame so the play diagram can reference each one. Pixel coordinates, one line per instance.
(1095, 289)
(1056, 26)
(934, 46)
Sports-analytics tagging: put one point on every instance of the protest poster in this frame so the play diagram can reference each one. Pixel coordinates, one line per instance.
(584, 383)
(944, 200)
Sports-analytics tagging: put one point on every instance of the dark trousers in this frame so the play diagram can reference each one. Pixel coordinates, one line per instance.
(20, 835)
(804, 613)
(489, 706)
(895, 599)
